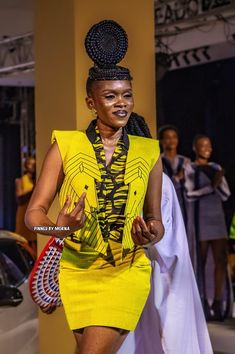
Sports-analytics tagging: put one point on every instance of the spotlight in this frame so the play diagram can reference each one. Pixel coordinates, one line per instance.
(185, 57)
(174, 58)
(205, 53)
(195, 56)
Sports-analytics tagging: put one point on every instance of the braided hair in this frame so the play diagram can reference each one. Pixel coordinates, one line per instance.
(137, 126)
(106, 44)
(199, 137)
(164, 128)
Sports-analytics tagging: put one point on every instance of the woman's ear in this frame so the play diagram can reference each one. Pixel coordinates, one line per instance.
(91, 106)
(89, 102)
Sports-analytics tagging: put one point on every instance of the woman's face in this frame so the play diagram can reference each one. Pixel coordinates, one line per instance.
(30, 165)
(203, 148)
(113, 102)
(170, 140)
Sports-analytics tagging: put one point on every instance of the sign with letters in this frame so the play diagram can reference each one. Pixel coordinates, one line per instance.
(180, 10)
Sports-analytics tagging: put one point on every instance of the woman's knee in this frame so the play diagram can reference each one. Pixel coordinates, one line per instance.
(101, 340)
(78, 337)
(221, 261)
(220, 252)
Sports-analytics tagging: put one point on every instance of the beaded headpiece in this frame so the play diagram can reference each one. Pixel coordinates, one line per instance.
(106, 44)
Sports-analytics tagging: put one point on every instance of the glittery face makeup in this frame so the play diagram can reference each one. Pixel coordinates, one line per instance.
(113, 101)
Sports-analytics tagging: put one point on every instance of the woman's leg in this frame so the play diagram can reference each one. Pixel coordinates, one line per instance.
(78, 336)
(219, 249)
(99, 340)
(204, 246)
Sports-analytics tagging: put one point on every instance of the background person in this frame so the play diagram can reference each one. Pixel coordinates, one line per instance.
(174, 167)
(207, 186)
(24, 186)
(173, 163)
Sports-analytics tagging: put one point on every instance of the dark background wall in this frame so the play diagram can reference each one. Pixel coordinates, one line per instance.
(17, 140)
(201, 99)
(9, 170)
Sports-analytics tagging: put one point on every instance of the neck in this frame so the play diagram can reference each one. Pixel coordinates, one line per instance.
(109, 134)
(201, 161)
(170, 154)
(29, 174)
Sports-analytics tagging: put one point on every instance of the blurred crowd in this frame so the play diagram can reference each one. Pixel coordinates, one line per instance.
(202, 188)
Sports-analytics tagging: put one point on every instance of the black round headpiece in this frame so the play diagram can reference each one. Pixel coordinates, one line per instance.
(106, 44)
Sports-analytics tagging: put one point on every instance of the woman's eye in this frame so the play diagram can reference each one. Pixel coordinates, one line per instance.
(109, 97)
(128, 95)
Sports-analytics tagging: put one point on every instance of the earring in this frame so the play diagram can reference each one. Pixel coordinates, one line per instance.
(93, 113)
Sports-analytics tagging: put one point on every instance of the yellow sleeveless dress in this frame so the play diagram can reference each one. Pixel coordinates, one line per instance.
(109, 288)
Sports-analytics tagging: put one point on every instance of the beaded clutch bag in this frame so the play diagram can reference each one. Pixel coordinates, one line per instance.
(43, 281)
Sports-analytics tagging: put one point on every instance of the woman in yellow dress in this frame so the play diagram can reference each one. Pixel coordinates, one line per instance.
(105, 179)
(23, 189)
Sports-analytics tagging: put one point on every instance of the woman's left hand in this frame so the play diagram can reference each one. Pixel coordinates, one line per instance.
(218, 178)
(50, 308)
(146, 233)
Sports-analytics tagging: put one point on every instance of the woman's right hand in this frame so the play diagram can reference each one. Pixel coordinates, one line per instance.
(179, 176)
(218, 178)
(73, 220)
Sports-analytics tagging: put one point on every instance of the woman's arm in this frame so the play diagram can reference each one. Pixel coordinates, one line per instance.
(19, 187)
(220, 184)
(149, 229)
(49, 183)
(152, 203)
(193, 194)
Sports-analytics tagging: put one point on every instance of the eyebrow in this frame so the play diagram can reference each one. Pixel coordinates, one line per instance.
(117, 90)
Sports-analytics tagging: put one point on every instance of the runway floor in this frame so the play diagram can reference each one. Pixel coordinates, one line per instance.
(223, 336)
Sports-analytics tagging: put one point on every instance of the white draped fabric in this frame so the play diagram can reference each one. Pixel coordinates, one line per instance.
(172, 321)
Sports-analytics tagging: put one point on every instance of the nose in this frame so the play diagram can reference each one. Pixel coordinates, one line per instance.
(121, 102)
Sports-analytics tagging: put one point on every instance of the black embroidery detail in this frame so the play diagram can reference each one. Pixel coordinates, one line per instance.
(111, 191)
